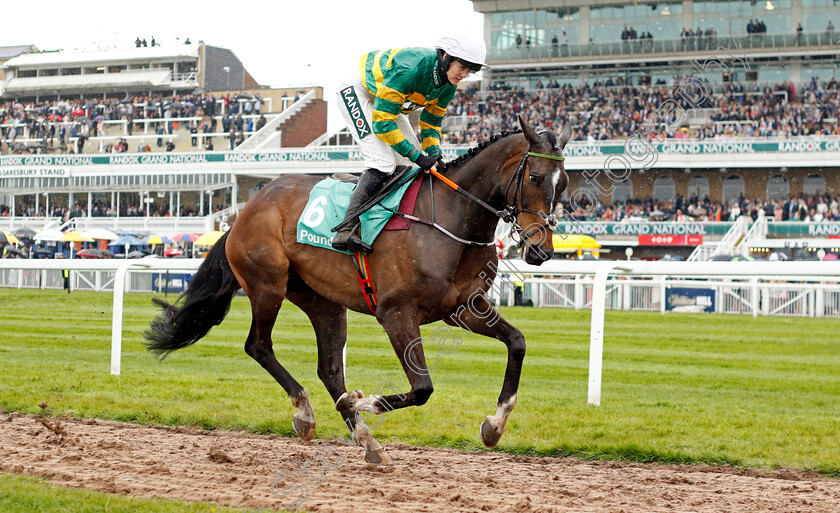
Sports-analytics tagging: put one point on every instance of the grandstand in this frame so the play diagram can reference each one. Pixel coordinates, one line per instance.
(159, 98)
(683, 140)
(736, 116)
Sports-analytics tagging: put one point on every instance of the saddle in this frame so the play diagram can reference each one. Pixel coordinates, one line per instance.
(346, 177)
(354, 178)
(328, 201)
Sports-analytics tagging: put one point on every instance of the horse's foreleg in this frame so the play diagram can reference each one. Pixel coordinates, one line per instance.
(480, 317)
(329, 320)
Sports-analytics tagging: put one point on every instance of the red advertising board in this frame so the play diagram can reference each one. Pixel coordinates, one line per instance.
(670, 240)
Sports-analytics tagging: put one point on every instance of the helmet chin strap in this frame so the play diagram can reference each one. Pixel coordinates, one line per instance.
(444, 61)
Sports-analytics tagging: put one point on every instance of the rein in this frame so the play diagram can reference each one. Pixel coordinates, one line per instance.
(434, 224)
(507, 214)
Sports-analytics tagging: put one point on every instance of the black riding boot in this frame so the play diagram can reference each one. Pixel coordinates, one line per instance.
(346, 239)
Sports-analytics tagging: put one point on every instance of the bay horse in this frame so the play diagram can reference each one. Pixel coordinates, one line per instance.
(420, 276)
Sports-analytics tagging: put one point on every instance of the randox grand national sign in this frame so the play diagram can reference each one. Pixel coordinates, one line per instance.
(777, 229)
(574, 149)
(596, 228)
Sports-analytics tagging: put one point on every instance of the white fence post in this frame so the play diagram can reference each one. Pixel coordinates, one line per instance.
(596, 334)
(116, 320)
(663, 295)
(627, 288)
(820, 306)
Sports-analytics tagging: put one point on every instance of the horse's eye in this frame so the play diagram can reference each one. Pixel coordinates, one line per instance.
(535, 179)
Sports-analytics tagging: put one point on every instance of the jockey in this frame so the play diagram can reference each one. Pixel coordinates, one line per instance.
(375, 101)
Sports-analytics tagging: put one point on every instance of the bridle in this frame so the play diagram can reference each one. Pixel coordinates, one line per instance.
(512, 211)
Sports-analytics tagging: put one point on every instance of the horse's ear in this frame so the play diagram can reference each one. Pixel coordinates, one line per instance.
(565, 135)
(530, 135)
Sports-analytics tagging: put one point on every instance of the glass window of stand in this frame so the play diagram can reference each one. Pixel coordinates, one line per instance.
(661, 20)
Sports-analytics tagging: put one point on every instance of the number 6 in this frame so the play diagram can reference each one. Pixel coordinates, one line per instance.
(314, 215)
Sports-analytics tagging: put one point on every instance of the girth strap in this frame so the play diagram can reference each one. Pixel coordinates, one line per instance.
(365, 280)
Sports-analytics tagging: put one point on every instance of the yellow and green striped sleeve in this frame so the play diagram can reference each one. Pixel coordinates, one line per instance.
(387, 101)
(430, 122)
(385, 112)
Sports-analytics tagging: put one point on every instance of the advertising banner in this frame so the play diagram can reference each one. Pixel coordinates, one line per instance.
(690, 299)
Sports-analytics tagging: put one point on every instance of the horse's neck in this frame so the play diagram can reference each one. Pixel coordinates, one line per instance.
(482, 177)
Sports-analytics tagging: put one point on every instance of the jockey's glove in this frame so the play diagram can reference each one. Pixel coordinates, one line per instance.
(427, 162)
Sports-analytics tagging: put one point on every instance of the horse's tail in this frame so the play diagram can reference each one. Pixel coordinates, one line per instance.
(205, 304)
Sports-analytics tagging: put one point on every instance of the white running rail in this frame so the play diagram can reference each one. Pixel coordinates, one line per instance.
(603, 270)
(121, 267)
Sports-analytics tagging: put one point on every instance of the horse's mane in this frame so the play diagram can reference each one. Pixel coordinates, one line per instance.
(472, 152)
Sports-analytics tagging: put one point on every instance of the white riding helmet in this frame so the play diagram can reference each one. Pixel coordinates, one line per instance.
(471, 52)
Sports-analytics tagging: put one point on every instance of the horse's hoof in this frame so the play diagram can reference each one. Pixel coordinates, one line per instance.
(377, 457)
(490, 436)
(344, 403)
(348, 402)
(304, 428)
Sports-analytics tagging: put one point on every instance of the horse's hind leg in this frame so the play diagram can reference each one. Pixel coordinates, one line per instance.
(404, 332)
(329, 320)
(266, 298)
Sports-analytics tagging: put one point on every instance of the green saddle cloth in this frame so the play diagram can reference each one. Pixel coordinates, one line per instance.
(327, 206)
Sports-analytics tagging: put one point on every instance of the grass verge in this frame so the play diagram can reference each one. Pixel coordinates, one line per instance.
(678, 388)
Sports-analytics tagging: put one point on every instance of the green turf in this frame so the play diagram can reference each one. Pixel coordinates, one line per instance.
(718, 389)
(28, 494)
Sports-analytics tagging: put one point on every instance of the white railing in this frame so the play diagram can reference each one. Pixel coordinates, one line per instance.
(778, 298)
(268, 133)
(725, 295)
(221, 217)
(741, 296)
(157, 225)
(35, 223)
(702, 253)
(189, 76)
(733, 237)
(725, 246)
(758, 231)
(90, 272)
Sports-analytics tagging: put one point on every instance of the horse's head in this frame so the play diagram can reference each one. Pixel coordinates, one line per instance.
(534, 191)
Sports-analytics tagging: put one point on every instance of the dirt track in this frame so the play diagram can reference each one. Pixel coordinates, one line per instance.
(236, 469)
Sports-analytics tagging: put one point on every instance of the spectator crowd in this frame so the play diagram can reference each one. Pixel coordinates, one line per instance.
(105, 209)
(66, 125)
(608, 110)
(613, 110)
(803, 207)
